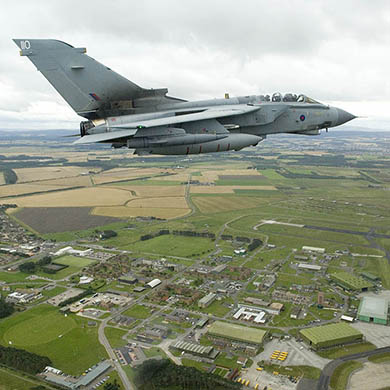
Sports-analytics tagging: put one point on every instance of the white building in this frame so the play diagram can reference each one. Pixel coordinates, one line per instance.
(313, 249)
(154, 283)
(86, 279)
(71, 251)
(309, 267)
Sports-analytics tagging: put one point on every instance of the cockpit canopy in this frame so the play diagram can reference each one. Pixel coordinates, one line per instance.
(287, 97)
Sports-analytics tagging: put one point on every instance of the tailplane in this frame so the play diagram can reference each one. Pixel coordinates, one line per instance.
(90, 88)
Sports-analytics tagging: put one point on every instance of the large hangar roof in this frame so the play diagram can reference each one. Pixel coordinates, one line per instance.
(374, 307)
(324, 333)
(237, 332)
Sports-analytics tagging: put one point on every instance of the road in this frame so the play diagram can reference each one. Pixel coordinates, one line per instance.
(327, 372)
(103, 340)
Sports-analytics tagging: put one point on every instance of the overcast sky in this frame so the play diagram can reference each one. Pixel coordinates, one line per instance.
(336, 51)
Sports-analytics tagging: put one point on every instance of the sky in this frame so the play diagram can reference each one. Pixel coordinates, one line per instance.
(336, 51)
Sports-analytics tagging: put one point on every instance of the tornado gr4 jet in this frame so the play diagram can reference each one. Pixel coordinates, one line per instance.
(151, 122)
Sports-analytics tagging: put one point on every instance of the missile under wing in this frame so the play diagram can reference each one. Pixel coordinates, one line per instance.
(124, 114)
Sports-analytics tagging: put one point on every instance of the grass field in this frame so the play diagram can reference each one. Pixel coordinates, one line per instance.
(227, 189)
(339, 379)
(334, 353)
(215, 204)
(13, 380)
(180, 246)
(67, 341)
(138, 311)
(131, 212)
(114, 336)
(380, 358)
(75, 264)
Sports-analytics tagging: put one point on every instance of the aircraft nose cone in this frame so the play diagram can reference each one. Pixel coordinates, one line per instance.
(344, 116)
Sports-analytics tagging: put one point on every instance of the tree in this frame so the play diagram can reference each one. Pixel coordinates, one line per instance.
(28, 267)
(112, 386)
(6, 308)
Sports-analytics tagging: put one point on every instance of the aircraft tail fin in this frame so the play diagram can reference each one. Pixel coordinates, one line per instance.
(90, 88)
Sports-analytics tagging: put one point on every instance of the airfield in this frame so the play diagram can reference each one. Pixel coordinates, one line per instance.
(289, 194)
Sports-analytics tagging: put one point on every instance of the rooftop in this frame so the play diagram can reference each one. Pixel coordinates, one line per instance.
(237, 332)
(374, 307)
(323, 333)
(352, 281)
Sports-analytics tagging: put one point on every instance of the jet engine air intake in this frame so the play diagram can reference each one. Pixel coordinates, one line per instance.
(85, 126)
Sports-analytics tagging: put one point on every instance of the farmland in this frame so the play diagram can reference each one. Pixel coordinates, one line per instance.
(61, 219)
(233, 225)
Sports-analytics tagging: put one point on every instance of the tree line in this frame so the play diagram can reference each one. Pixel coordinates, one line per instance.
(163, 374)
(23, 360)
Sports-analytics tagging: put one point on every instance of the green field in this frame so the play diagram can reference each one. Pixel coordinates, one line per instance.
(337, 352)
(138, 311)
(13, 380)
(114, 336)
(67, 341)
(173, 245)
(339, 379)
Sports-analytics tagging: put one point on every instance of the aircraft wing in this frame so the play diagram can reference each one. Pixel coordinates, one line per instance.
(113, 130)
(213, 113)
(107, 136)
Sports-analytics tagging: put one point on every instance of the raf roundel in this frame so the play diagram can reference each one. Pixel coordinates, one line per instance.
(302, 117)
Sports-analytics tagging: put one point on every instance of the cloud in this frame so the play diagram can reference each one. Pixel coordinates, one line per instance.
(331, 50)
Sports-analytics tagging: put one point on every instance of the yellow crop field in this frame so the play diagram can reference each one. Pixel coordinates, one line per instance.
(20, 189)
(153, 191)
(215, 204)
(210, 176)
(180, 177)
(127, 212)
(227, 189)
(119, 174)
(83, 197)
(46, 173)
(167, 202)
(77, 181)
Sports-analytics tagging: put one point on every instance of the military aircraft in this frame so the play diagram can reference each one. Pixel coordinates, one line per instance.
(151, 122)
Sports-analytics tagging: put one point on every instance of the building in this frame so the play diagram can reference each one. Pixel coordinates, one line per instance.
(69, 382)
(20, 297)
(309, 267)
(372, 309)
(369, 276)
(275, 308)
(219, 268)
(69, 250)
(320, 298)
(351, 282)
(330, 335)
(86, 279)
(301, 258)
(347, 318)
(196, 349)
(250, 314)
(295, 311)
(127, 279)
(206, 300)
(154, 283)
(313, 249)
(202, 323)
(238, 333)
